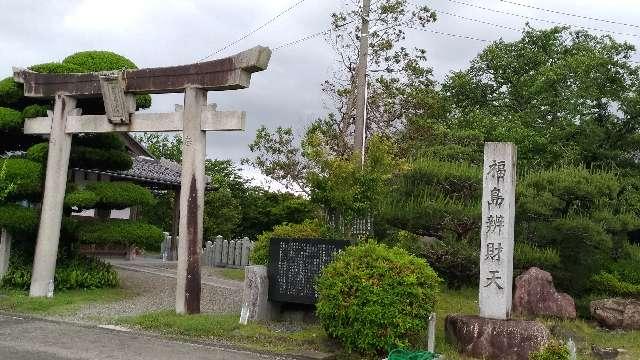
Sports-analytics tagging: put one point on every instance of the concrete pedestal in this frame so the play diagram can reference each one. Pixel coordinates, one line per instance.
(255, 303)
(5, 251)
(484, 338)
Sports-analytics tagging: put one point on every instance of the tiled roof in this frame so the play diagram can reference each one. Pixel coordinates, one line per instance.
(146, 169)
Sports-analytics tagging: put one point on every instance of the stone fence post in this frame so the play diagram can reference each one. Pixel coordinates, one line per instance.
(5, 251)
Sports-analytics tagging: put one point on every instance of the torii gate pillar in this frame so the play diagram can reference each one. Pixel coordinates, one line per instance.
(194, 147)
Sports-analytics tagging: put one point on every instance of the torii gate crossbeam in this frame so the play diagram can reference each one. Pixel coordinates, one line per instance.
(117, 89)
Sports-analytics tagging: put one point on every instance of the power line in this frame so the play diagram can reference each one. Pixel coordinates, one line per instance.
(570, 14)
(544, 20)
(476, 20)
(302, 39)
(253, 31)
(453, 35)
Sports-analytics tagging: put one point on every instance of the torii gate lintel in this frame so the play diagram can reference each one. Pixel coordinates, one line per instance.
(194, 119)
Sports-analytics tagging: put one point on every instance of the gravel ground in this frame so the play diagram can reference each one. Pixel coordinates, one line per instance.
(153, 293)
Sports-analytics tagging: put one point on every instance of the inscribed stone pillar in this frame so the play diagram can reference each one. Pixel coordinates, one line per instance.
(217, 251)
(188, 289)
(5, 251)
(44, 262)
(498, 215)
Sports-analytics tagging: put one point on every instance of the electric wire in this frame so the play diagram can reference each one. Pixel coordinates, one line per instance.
(300, 40)
(232, 43)
(544, 20)
(476, 20)
(570, 14)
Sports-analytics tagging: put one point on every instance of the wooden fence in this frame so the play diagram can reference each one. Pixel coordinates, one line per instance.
(220, 252)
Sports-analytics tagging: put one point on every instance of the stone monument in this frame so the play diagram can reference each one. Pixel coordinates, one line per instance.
(493, 335)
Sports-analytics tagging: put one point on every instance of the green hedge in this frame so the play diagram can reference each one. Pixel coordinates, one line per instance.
(10, 120)
(122, 232)
(19, 220)
(10, 91)
(373, 298)
(25, 175)
(34, 110)
(527, 256)
(80, 199)
(90, 158)
(120, 195)
(79, 272)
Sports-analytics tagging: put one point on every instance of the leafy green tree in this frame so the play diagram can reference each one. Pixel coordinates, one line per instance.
(563, 97)
(162, 146)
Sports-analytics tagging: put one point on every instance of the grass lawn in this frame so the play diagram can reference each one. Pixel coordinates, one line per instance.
(63, 301)
(227, 329)
(231, 274)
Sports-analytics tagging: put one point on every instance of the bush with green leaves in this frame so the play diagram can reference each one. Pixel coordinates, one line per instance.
(553, 351)
(78, 272)
(120, 195)
(10, 120)
(457, 262)
(24, 175)
(56, 68)
(19, 220)
(35, 110)
(308, 229)
(10, 91)
(119, 232)
(527, 256)
(373, 298)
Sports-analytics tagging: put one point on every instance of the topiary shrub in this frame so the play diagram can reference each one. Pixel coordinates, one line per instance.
(457, 262)
(19, 220)
(10, 91)
(121, 232)
(120, 195)
(38, 152)
(34, 110)
(24, 175)
(373, 298)
(553, 351)
(308, 229)
(93, 61)
(10, 120)
(80, 200)
(56, 68)
(89, 158)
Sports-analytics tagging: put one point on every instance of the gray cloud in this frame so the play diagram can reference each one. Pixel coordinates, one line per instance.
(159, 33)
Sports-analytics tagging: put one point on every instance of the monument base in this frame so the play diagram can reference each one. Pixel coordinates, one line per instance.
(495, 339)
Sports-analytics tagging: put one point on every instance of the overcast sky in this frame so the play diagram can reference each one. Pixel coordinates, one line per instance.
(162, 32)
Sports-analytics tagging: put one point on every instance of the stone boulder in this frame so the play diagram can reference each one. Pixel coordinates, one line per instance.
(617, 313)
(535, 295)
(495, 339)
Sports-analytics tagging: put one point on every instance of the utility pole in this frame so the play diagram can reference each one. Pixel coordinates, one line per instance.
(361, 82)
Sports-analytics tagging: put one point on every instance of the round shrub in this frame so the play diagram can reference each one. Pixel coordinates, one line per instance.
(373, 298)
(93, 61)
(120, 195)
(553, 351)
(10, 91)
(10, 120)
(56, 68)
(38, 152)
(308, 229)
(34, 110)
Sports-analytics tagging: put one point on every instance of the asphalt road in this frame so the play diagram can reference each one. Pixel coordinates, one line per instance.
(23, 338)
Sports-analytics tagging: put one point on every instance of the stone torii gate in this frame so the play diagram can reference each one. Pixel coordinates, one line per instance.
(118, 89)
